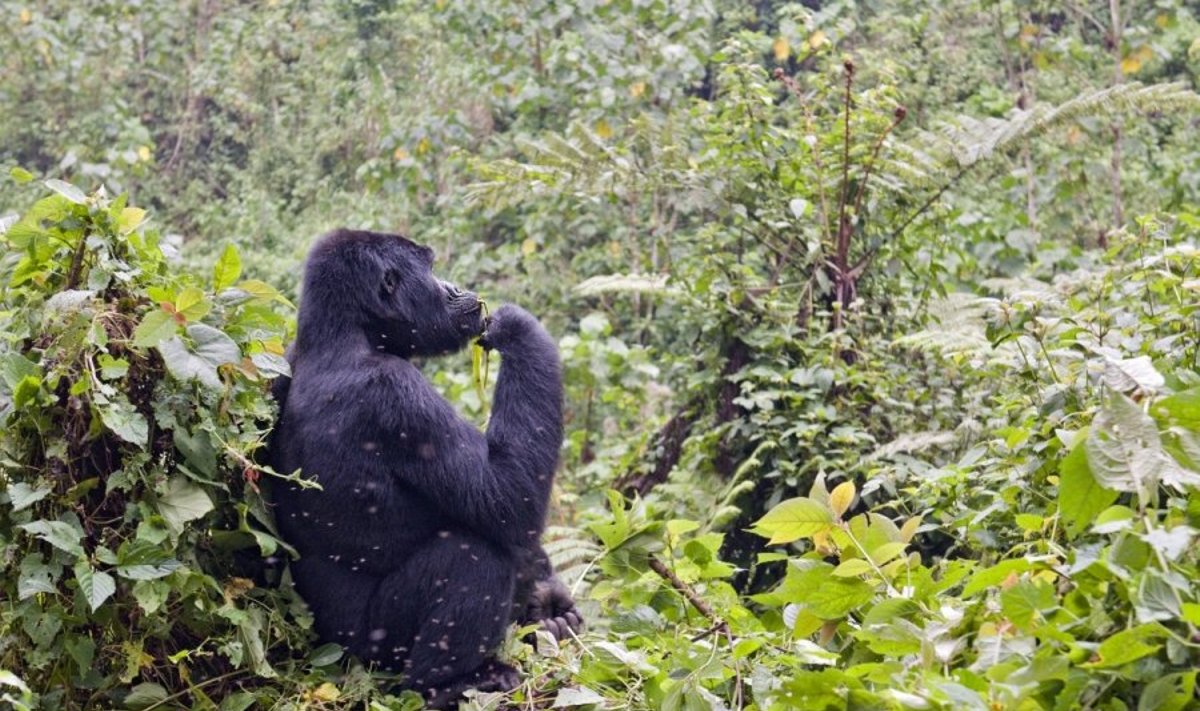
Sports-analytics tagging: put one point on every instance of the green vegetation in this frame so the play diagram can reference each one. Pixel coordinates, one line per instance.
(880, 324)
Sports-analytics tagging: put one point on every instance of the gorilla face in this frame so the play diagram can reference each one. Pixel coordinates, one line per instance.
(388, 280)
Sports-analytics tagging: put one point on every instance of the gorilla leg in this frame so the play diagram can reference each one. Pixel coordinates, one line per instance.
(338, 598)
(443, 614)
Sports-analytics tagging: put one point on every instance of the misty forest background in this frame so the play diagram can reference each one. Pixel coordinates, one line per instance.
(879, 322)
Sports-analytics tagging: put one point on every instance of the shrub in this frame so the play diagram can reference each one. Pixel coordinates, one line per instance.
(135, 403)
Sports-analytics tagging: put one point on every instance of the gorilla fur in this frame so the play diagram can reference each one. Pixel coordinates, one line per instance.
(422, 544)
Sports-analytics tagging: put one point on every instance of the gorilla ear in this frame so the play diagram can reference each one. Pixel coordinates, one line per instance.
(391, 279)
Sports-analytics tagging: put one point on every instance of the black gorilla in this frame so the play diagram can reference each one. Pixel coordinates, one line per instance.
(423, 543)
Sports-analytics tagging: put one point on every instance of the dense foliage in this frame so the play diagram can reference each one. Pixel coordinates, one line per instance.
(879, 323)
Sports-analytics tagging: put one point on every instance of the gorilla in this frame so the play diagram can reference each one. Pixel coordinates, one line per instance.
(422, 543)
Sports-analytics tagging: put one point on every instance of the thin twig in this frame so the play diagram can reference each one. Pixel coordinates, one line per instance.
(684, 589)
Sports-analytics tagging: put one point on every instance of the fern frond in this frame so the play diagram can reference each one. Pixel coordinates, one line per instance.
(635, 283)
(958, 327)
(914, 442)
(968, 140)
(572, 552)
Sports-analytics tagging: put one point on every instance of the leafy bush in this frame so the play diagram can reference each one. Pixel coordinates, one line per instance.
(135, 405)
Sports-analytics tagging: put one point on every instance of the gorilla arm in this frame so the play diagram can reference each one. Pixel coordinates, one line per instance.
(497, 484)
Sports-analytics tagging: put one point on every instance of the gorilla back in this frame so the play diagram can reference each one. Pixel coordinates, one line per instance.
(424, 527)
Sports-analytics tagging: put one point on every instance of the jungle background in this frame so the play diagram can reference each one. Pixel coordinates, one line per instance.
(879, 322)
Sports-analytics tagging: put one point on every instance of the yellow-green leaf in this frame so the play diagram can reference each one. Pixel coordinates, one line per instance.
(262, 290)
(156, 326)
(227, 269)
(130, 218)
(794, 519)
(853, 568)
(886, 552)
(841, 497)
(192, 304)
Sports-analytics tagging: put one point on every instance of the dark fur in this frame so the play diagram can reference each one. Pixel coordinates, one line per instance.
(423, 543)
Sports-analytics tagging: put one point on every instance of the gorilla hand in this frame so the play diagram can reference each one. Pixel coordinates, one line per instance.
(551, 604)
(508, 327)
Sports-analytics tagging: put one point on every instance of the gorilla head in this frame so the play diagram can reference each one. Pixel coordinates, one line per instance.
(380, 287)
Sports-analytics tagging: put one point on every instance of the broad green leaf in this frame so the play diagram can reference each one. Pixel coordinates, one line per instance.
(96, 586)
(213, 345)
(1182, 408)
(131, 218)
(793, 519)
(120, 417)
(145, 695)
(250, 633)
(1174, 692)
(834, 598)
(184, 365)
(261, 290)
(151, 594)
(139, 560)
(853, 568)
(26, 391)
(239, 701)
(1124, 451)
(227, 269)
(20, 175)
(67, 190)
(1080, 497)
(1026, 602)
(183, 502)
(112, 368)
(22, 495)
(191, 303)
(1126, 375)
(886, 552)
(156, 326)
(36, 576)
(15, 367)
(1128, 646)
(59, 534)
(991, 577)
(326, 654)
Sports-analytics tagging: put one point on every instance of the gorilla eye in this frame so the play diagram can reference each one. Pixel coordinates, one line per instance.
(390, 279)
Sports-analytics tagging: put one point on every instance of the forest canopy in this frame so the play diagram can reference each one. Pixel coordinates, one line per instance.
(879, 325)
